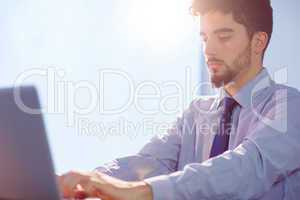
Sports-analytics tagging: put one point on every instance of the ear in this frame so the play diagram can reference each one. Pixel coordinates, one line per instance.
(260, 40)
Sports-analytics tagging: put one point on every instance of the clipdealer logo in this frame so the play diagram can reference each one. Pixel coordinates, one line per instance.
(62, 94)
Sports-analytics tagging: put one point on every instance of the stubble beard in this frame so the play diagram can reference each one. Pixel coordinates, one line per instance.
(227, 73)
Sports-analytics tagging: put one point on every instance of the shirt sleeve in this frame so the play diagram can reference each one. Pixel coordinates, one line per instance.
(159, 156)
(263, 159)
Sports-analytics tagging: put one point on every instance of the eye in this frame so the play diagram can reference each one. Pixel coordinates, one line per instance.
(224, 38)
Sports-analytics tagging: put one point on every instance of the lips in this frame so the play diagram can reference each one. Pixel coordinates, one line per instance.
(214, 65)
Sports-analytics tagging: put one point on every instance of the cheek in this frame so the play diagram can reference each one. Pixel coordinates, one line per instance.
(229, 55)
(231, 51)
(227, 49)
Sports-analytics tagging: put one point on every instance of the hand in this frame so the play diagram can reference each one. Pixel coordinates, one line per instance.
(96, 184)
(67, 192)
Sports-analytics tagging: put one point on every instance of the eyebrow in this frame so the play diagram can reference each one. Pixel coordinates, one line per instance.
(224, 30)
(220, 30)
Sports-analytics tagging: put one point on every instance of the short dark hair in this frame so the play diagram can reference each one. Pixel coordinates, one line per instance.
(255, 15)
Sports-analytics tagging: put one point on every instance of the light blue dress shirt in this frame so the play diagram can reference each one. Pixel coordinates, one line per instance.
(263, 160)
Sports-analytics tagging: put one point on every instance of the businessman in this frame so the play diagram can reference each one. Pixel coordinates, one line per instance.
(243, 143)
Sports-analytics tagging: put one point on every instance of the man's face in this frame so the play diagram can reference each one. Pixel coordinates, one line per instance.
(226, 46)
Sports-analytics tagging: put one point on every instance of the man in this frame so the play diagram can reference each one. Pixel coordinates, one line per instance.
(242, 144)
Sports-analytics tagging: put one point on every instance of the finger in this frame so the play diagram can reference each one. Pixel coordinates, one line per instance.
(91, 187)
(59, 182)
(70, 181)
(63, 188)
(88, 187)
(80, 193)
(95, 193)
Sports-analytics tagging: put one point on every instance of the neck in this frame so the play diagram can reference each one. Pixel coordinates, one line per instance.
(242, 79)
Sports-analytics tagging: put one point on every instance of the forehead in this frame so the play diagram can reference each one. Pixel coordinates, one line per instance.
(215, 20)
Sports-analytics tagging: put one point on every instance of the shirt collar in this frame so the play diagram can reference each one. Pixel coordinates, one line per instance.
(245, 96)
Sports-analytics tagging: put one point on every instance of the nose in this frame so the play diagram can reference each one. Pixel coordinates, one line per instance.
(209, 48)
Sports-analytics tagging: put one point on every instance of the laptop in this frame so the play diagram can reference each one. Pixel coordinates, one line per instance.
(26, 168)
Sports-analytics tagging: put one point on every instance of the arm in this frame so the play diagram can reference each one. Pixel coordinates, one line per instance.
(159, 156)
(247, 172)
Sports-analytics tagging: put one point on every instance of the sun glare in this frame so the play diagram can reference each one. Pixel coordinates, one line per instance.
(158, 22)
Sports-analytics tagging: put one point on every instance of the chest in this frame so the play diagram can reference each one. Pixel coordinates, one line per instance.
(199, 134)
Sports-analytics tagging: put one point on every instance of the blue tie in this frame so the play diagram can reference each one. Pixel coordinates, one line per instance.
(221, 140)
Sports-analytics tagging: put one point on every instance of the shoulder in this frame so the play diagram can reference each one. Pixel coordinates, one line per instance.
(285, 94)
(283, 102)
